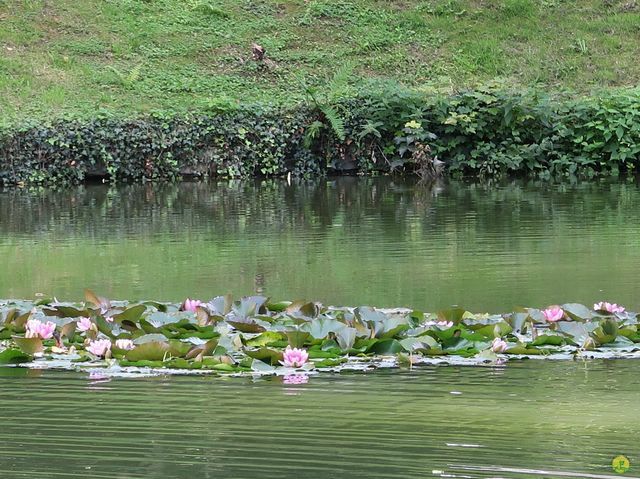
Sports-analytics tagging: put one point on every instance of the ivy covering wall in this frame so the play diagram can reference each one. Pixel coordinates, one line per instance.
(482, 132)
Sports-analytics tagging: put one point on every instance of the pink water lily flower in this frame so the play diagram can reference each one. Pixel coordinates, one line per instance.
(125, 344)
(99, 347)
(498, 345)
(609, 307)
(108, 319)
(191, 305)
(553, 314)
(294, 358)
(37, 329)
(83, 324)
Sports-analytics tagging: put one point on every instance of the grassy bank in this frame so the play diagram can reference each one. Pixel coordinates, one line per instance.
(133, 56)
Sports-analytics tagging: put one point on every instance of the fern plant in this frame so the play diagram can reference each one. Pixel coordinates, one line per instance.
(323, 100)
(127, 80)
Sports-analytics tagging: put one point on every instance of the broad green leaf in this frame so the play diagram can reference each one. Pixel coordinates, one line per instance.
(548, 340)
(269, 356)
(265, 339)
(577, 312)
(247, 327)
(386, 347)
(321, 327)
(150, 351)
(346, 337)
(297, 338)
(14, 356)
(132, 314)
(29, 345)
(451, 314)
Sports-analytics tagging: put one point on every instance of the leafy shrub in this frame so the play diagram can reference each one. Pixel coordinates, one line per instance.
(488, 131)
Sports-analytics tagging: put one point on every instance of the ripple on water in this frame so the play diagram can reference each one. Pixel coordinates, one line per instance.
(506, 422)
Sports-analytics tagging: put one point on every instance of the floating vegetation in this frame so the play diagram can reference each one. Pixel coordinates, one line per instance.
(253, 336)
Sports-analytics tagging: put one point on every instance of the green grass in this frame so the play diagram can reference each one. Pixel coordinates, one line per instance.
(131, 56)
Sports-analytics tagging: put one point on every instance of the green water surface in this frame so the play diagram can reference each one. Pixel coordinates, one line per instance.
(347, 241)
(525, 420)
(382, 242)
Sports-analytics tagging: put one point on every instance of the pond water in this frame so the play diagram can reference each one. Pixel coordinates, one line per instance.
(568, 418)
(348, 241)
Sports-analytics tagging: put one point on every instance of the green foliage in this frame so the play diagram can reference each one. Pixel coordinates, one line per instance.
(251, 336)
(488, 131)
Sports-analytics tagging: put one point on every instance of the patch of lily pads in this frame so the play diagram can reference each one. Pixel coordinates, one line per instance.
(255, 336)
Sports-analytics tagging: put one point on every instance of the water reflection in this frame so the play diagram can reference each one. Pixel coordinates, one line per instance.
(380, 241)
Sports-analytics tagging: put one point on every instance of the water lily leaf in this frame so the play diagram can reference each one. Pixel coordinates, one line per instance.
(247, 307)
(66, 312)
(261, 366)
(522, 349)
(91, 297)
(320, 328)
(247, 327)
(104, 326)
(346, 338)
(630, 332)
(392, 326)
(142, 363)
(69, 329)
(147, 327)
(149, 338)
(315, 353)
(29, 345)
(410, 344)
(20, 321)
(278, 307)
(44, 302)
(576, 311)
(386, 346)
(269, 356)
(607, 332)
(451, 314)
(202, 350)
(548, 340)
(456, 344)
(265, 339)
(622, 343)
(202, 316)
(150, 351)
(221, 305)
(297, 338)
(132, 314)
(11, 315)
(369, 315)
(14, 356)
(303, 308)
(419, 343)
(537, 316)
(330, 345)
(518, 321)
(578, 333)
(329, 362)
(159, 306)
(129, 326)
(496, 330)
